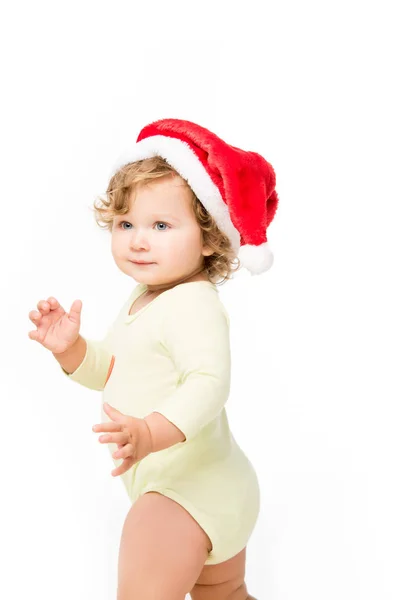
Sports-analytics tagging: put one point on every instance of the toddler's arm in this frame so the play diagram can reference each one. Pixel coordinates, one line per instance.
(88, 362)
(72, 358)
(196, 334)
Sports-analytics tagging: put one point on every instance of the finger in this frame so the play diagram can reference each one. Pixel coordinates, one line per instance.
(35, 335)
(121, 438)
(75, 311)
(125, 452)
(43, 306)
(125, 466)
(35, 316)
(113, 413)
(107, 427)
(53, 302)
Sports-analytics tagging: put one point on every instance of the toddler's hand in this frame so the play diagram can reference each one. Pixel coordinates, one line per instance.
(132, 436)
(56, 330)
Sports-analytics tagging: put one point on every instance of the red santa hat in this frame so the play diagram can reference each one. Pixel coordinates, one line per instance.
(237, 187)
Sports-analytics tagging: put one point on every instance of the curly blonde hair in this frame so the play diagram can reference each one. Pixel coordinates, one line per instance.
(223, 261)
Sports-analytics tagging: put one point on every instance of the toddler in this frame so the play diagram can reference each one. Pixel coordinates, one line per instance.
(164, 366)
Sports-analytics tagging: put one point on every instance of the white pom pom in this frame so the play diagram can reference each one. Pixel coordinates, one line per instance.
(256, 259)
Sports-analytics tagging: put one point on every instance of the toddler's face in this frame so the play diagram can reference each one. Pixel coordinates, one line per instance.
(160, 228)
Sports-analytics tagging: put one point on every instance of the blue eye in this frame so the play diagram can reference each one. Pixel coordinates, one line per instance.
(122, 223)
(162, 222)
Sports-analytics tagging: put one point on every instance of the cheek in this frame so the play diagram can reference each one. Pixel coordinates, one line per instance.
(179, 249)
(187, 243)
(115, 247)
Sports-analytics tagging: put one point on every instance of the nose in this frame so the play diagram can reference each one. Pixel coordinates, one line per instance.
(138, 240)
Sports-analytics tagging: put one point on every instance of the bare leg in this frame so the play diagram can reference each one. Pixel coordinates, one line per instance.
(224, 581)
(162, 551)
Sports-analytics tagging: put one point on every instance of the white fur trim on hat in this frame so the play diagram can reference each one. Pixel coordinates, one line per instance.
(182, 158)
(256, 259)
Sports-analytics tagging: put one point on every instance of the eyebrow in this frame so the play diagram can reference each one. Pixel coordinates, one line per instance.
(158, 215)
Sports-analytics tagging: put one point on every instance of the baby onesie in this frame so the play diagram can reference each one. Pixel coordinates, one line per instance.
(173, 357)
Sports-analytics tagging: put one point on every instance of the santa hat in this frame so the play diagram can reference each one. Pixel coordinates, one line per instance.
(235, 186)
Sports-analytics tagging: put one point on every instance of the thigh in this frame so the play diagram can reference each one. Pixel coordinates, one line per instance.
(222, 581)
(162, 550)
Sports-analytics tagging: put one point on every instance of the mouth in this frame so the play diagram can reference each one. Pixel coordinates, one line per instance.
(143, 264)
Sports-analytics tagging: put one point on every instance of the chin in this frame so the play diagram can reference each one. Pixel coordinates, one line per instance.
(143, 277)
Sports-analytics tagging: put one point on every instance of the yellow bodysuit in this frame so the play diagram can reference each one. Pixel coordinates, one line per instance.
(173, 357)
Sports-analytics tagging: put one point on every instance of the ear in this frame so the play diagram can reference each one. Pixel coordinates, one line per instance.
(206, 251)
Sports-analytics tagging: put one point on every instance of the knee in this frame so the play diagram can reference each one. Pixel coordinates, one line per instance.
(228, 590)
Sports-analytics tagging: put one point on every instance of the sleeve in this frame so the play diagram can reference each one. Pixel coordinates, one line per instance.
(98, 362)
(96, 367)
(195, 333)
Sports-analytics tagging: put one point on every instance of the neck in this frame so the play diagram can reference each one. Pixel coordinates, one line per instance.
(165, 286)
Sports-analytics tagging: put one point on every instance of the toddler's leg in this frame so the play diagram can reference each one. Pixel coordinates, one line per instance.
(224, 581)
(162, 550)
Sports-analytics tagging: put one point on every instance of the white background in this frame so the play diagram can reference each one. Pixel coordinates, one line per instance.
(313, 86)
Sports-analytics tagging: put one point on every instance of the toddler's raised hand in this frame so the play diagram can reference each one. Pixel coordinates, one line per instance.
(57, 330)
